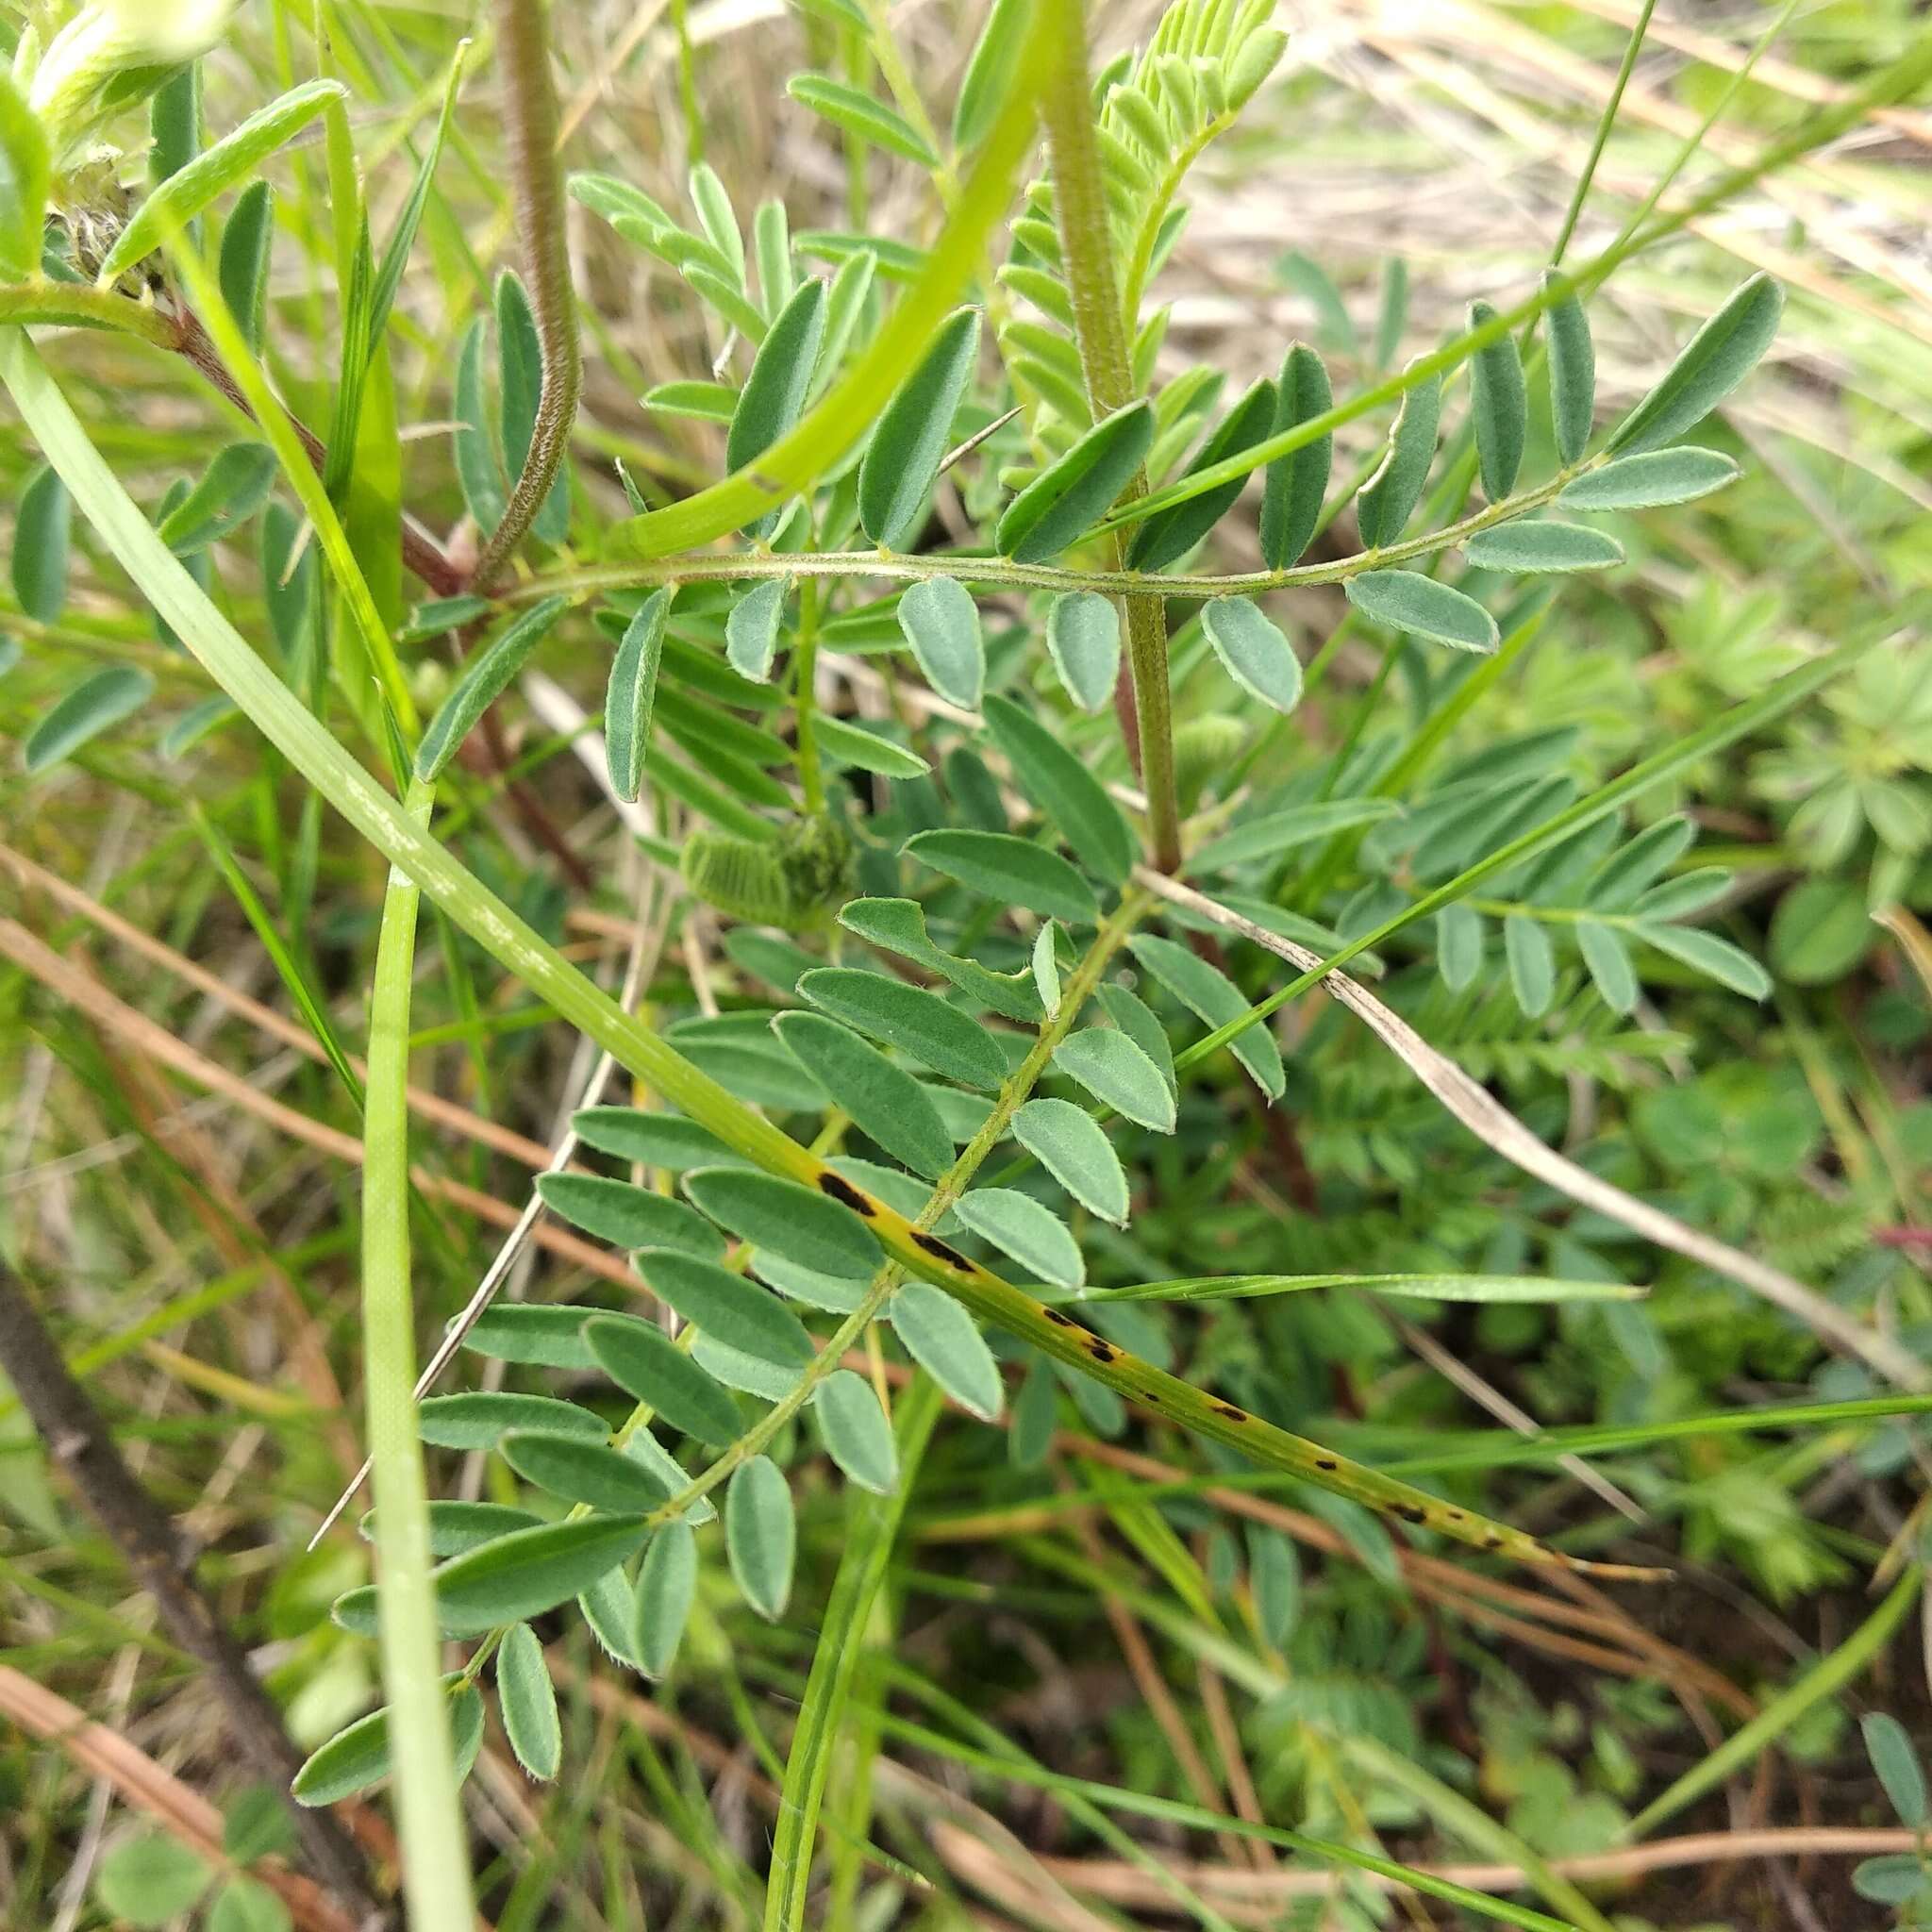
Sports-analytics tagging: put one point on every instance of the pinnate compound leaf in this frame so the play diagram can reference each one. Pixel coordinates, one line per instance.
(725, 1307)
(667, 1583)
(762, 1535)
(1644, 482)
(941, 625)
(1070, 1144)
(945, 1342)
(528, 1700)
(627, 1215)
(531, 1571)
(902, 461)
(592, 1474)
(1388, 498)
(479, 1419)
(1009, 871)
(647, 1365)
(1529, 545)
(1498, 408)
(96, 705)
(1296, 483)
(1254, 651)
(885, 1102)
(1018, 1226)
(359, 1756)
(1071, 494)
(751, 632)
(632, 695)
(1071, 798)
(1083, 634)
(792, 1222)
(1715, 360)
(911, 1019)
(482, 683)
(1116, 1071)
(1170, 534)
(1572, 372)
(1211, 996)
(1406, 600)
(857, 1435)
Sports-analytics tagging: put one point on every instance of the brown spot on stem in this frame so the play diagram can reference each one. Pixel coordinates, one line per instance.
(1229, 1413)
(846, 1194)
(1327, 1462)
(1101, 1350)
(1409, 1512)
(937, 1249)
(1058, 1319)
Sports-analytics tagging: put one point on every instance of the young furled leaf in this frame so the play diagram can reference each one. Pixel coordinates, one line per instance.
(1172, 533)
(945, 1342)
(667, 1582)
(1071, 798)
(1083, 634)
(1018, 1226)
(1116, 1071)
(40, 528)
(1498, 408)
(762, 1535)
(862, 115)
(1068, 1142)
(885, 1102)
(93, 706)
(1643, 482)
(1715, 360)
(1407, 600)
(479, 1419)
(645, 1363)
(912, 1019)
(942, 624)
(1008, 871)
(482, 683)
(855, 1430)
(528, 1700)
(247, 237)
(1572, 372)
(1215, 999)
(1388, 498)
(1073, 493)
(812, 1229)
(627, 1215)
(902, 459)
(529, 1571)
(1254, 651)
(1296, 483)
(592, 1474)
(751, 632)
(1530, 545)
(773, 394)
(632, 694)
(726, 1307)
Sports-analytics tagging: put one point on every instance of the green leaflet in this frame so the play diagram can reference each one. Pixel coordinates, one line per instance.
(592, 1474)
(811, 1229)
(627, 1215)
(644, 1449)
(902, 460)
(234, 158)
(709, 402)
(1715, 360)
(1716, 959)
(854, 1431)
(941, 625)
(860, 115)
(912, 1019)
(1530, 544)
(1274, 1578)
(359, 1756)
(528, 1701)
(1292, 500)
(760, 1536)
(632, 694)
(93, 706)
(550, 1334)
(713, 205)
(1116, 1071)
(1498, 408)
(775, 392)
(233, 487)
(667, 1582)
(1890, 1748)
(1407, 600)
(1069, 495)
(646, 1364)
(1532, 965)
(1009, 871)
(1046, 970)
(1018, 1226)
(528, 1571)
(479, 469)
(1388, 498)
(480, 1419)
(751, 632)
(1214, 998)
(898, 925)
(1070, 1144)
(1274, 835)
(25, 175)
(1572, 372)
(247, 239)
(1083, 634)
(455, 1527)
(41, 533)
(845, 743)
(1072, 799)
(1643, 482)
(770, 248)
(1135, 1019)
(1458, 946)
(945, 1342)
(482, 682)
(1608, 960)
(726, 1307)
(150, 1881)
(989, 76)
(1254, 651)
(885, 1102)
(1172, 533)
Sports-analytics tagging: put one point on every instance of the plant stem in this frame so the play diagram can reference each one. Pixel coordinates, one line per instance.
(805, 660)
(436, 1857)
(1086, 247)
(75, 302)
(529, 103)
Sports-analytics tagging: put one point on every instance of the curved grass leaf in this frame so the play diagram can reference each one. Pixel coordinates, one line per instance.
(667, 1582)
(1254, 651)
(1572, 372)
(1070, 1144)
(359, 1756)
(646, 1364)
(1009, 871)
(1172, 533)
(1018, 1226)
(726, 1307)
(1498, 408)
(531, 1571)
(761, 1536)
(1296, 483)
(902, 461)
(26, 175)
(1406, 600)
(859, 114)
(1533, 545)
(787, 1219)
(885, 1102)
(632, 694)
(945, 1342)
(1083, 634)
(482, 683)
(855, 1430)
(1071, 494)
(1388, 498)
(40, 531)
(479, 1419)
(528, 1701)
(1112, 1068)
(914, 1020)
(1428, 1287)
(941, 625)
(751, 632)
(1211, 996)
(1643, 482)
(96, 705)
(1715, 360)
(587, 1473)
(627, 1215)
(1072, 799)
